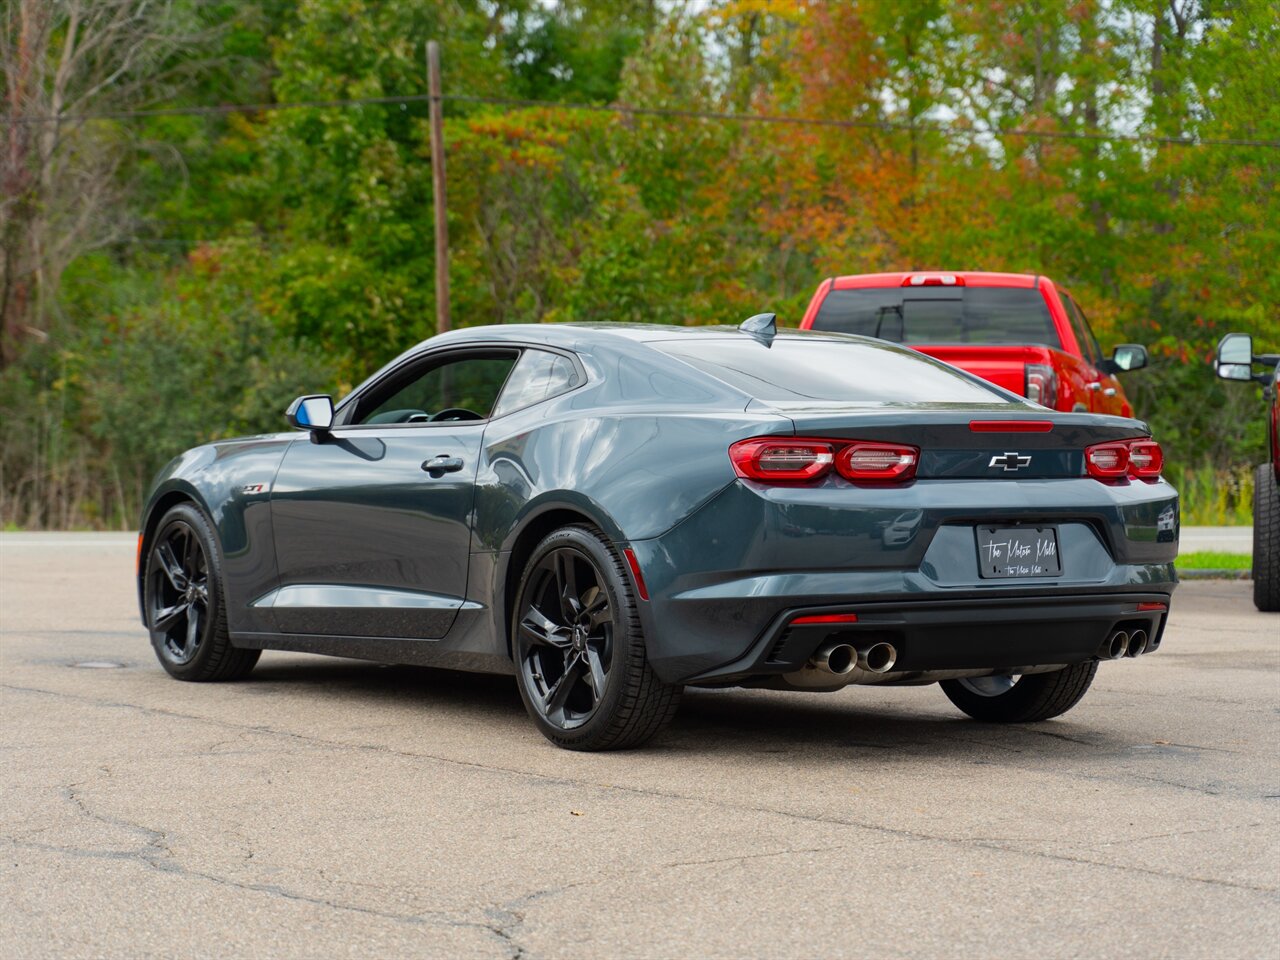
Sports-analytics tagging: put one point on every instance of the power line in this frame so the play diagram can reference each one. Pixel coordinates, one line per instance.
(890, 126)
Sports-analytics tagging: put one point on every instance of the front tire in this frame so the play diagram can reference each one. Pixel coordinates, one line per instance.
(1037, 696)
(579, 648)
(1266, 539)
(185, 604)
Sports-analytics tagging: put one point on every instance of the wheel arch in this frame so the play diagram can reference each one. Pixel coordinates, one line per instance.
(535, 528)
(161, 503)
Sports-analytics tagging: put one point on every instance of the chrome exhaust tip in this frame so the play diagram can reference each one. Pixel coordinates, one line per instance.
(837, 658)
(1137, 643)
(878, 658)
(1114, 647)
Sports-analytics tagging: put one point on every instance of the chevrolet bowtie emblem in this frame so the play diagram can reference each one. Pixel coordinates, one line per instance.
(1010, 461)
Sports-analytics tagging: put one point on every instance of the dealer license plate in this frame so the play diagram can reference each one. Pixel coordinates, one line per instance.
(1005, 552)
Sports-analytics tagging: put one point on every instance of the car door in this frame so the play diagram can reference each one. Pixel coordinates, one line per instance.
(1104, 389)
(372, 521)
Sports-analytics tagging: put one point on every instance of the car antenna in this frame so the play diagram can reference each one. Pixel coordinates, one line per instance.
(763, 326)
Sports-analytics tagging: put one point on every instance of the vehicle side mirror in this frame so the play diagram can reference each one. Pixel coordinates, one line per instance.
(1235, 357)
(314, 413)
(1127, 357)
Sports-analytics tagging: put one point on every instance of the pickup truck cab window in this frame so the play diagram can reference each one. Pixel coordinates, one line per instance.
(942, 315)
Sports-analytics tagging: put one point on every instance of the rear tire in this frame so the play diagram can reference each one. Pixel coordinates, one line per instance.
(1266, 539)
(185, 603)
(579, 648)
(1037, 696)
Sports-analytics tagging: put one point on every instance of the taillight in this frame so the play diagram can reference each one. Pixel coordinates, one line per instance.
(1146, 459)
(877, 461)
(1042, 384)
(1141, 459)
(782, 458)
(800, 459)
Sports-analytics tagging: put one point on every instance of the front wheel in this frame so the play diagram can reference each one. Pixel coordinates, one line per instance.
(185, 605)
(579, 648)
(1025, 699)
(1266, 539)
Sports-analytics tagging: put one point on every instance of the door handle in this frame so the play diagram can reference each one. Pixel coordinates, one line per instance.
(439, 466)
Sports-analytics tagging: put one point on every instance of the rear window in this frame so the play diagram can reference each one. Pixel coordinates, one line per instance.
(939, 315)
(794, 368)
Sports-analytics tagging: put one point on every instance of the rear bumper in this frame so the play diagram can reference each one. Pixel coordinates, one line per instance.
(725, 583)
(957, 634)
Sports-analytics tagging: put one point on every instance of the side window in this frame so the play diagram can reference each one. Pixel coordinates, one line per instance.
(1098, 355)
(1080, 327)
(539, 375)
(458, 388)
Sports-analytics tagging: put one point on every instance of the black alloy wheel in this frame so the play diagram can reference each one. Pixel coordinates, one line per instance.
(183, 599)
(567, 628)
(178, 591)
(579, 647)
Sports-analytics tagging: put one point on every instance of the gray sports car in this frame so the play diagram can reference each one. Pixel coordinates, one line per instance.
(615, 512)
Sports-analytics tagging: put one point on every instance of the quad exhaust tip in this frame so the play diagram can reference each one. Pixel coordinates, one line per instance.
(1116, 645)
(878, 658)
(1137, 643)
(837, 658)
(844, 658)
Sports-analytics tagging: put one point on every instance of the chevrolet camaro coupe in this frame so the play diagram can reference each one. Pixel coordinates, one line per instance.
(612, 513)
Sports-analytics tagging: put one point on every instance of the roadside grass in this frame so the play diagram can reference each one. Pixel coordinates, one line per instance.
(1213, 497)
(1214, 560)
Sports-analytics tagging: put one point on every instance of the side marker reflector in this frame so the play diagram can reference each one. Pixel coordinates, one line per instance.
(634, 564)
(1150, 607)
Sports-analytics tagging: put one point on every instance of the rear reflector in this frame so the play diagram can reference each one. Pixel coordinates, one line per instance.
(634, 564)
(824, 618)
(1010, 426)
(1151, 607)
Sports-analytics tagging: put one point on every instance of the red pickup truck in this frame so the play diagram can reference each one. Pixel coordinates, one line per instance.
(1235, 361)
(1019, 331)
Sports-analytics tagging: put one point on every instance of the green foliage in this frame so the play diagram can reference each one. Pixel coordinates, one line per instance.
(287, 251)
(1214, 560)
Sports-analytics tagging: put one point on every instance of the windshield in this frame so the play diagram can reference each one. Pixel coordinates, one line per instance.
(941, 315)
(799, 368)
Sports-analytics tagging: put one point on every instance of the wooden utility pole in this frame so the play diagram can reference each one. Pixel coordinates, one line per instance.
(437, 186)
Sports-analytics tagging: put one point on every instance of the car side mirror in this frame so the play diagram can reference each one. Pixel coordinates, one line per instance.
(314, 413)
(1127, 357)
(1234, 359)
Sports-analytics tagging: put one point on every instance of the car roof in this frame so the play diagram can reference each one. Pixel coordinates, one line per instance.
(569, 335)
(971, 278)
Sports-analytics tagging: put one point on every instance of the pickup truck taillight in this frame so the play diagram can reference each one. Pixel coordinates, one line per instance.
(1042, 384)
(799, 459)
(1139, 459)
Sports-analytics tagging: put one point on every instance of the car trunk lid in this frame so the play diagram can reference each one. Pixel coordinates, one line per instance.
(996, 441)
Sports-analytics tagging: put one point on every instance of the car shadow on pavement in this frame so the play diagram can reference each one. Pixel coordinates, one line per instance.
(714, 722)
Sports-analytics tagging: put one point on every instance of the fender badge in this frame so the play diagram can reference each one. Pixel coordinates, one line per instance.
(253, 488)
(1010, 461)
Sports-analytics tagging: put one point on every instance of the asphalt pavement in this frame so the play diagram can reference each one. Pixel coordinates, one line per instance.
(330, 808)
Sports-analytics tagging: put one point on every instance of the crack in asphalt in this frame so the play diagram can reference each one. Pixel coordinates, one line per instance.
(501, 920)
(902, 833)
